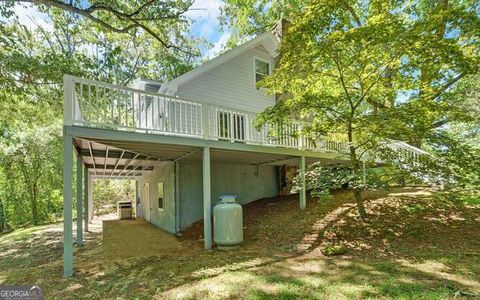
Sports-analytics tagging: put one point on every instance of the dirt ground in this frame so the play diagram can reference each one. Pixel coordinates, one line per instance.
(134, 238)
(415, 244)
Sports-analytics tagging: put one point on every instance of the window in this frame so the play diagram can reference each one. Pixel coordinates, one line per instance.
(262, 69)
(161, 199)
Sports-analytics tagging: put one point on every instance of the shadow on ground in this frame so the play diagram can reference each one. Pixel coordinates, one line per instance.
(415, 244)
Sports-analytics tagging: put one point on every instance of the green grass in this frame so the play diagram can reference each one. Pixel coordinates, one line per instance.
(416, 208)
(332, 250)
(470, 199)
(414, 246)
(21, 234)
(469, 196)
(409, 290)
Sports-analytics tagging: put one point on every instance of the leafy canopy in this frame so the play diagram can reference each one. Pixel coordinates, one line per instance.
(33, 60)
(367, 72)
(159, 19)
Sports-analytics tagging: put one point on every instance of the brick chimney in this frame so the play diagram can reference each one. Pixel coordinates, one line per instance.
(280, 28)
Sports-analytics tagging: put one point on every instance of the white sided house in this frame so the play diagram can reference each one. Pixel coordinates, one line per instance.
(186, 142)
(225, 85)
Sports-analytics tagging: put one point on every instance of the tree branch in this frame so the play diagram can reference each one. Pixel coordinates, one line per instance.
(342, 81)
(142, 7)
(129, 18)
(353, 13)
(448, 85)
(45, 35)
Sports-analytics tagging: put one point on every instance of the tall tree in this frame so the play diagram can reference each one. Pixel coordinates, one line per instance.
(33, 60)
(369, 71)
(157, 18)
(34, 156)
(251, 17)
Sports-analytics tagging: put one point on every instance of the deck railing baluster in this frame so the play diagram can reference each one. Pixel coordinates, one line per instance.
(113, 104)
(132, 99)
(126, 100)
(81, 100)
(152, 103)
(98, 104)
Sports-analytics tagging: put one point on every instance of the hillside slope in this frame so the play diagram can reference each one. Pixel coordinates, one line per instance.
(416, 243)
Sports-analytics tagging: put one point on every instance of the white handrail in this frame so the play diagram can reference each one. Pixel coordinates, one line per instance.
(120, 87)
(94, 103)
(98, 104)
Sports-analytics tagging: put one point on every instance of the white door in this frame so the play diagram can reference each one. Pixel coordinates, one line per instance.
(146, 199)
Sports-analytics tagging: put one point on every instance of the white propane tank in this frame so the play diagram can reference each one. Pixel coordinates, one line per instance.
(227, 221)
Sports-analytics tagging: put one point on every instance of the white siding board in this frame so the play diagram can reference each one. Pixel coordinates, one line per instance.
(231, 84)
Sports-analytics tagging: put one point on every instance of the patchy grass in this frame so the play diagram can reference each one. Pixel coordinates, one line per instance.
(332, 250)
(416, 244)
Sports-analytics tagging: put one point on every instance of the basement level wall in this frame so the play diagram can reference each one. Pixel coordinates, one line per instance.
(248, 182)
(163, 218)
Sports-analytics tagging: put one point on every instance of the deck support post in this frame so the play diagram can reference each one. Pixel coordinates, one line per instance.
(79, 201)
(86, 195)
(303, 190)
(207, 206)
(89, 212)
(137, 200)
(67, 205)
(177, 196)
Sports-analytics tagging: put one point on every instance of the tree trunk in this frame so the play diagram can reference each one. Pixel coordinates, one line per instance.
(357, 194)
(3, 224)
(34, 205)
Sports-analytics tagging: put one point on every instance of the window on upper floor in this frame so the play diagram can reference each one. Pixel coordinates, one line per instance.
(262, 69)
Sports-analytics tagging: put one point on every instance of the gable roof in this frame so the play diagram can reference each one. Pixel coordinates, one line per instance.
(267, 40)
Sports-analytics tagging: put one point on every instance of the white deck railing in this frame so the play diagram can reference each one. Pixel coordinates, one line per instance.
(98, 104)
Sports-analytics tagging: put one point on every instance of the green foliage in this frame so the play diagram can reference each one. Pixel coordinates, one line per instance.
(333, 250)
(162, 21)
(31, 160)
(367, 72)
(446, 171)
(251, 17)
(321, 180)
(108, 192)
(461, 196)
(33, 61)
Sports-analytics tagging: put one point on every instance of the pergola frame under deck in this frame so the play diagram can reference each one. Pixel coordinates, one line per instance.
(107, 170)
